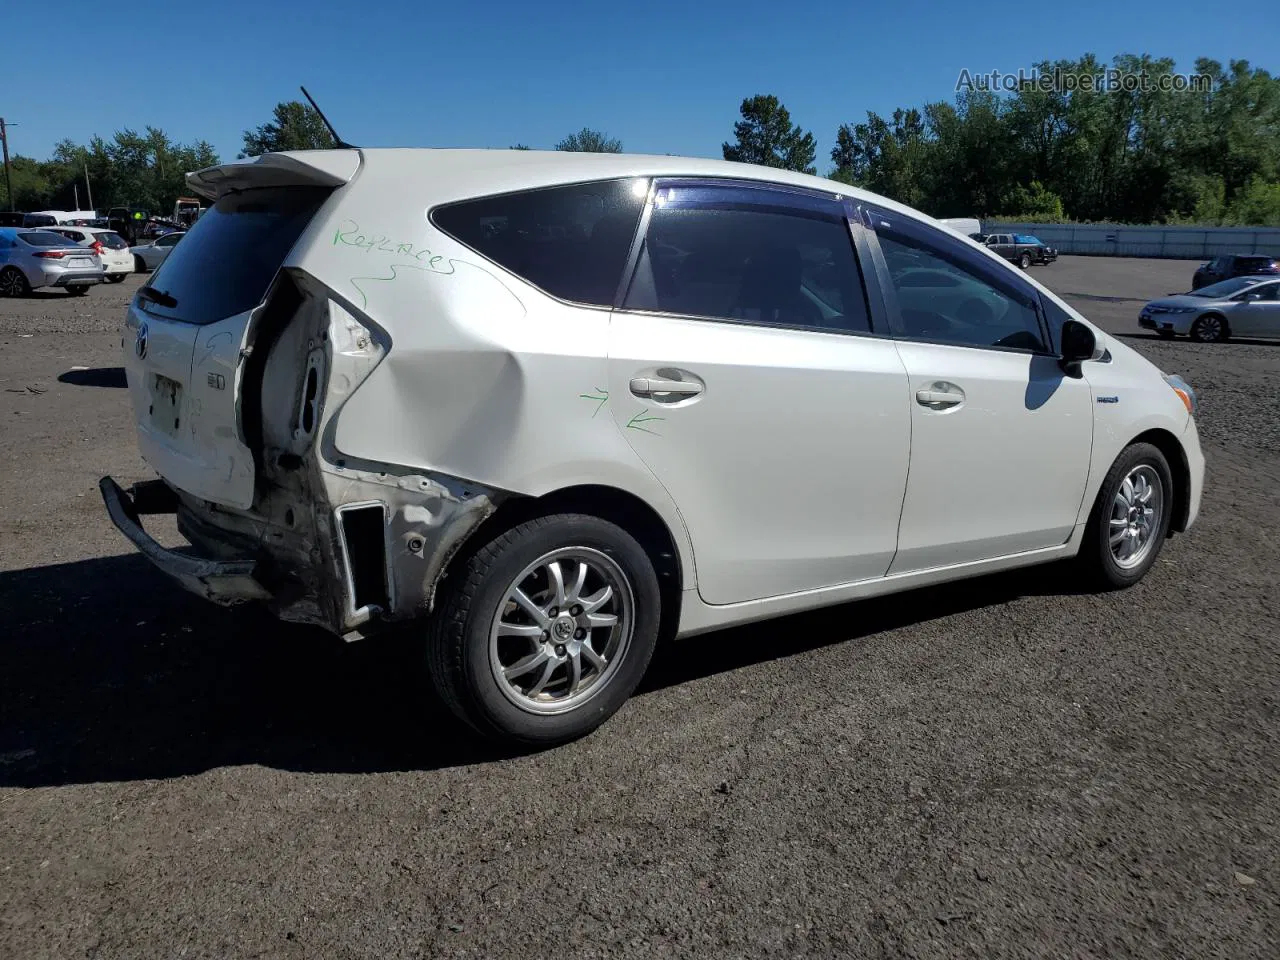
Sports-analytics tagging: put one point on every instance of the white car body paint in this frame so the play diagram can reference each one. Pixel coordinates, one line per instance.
(806, 474)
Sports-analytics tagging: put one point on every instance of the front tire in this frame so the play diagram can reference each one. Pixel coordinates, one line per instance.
(1130, 518)
(541, 634)
(1025, 261)
(1211, 328)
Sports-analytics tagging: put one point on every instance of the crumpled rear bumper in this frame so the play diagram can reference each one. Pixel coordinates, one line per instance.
(225, 582)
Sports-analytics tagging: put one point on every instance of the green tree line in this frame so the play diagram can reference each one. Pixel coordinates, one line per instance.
(1146, 155)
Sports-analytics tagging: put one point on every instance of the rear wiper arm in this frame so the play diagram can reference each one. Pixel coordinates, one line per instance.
(158, 297)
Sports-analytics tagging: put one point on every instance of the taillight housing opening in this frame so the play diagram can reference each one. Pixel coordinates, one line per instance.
(51, 254)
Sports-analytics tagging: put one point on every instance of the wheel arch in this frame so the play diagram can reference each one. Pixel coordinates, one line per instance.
(1169, 445)
(629, 511)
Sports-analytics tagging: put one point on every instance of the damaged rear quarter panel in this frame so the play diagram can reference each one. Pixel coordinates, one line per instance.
(474, 387)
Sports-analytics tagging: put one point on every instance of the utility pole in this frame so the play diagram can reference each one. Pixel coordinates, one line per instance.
(4, 142)
(88, 189)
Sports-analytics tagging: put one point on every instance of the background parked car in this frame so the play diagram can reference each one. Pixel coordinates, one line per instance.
(14, 219)
(30, 259)
(1234, 265)
(148, 256)
(1240, 307)
(1020, 248)
(111, 248)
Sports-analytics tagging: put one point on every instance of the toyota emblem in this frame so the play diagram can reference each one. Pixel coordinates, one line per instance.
(140, 345)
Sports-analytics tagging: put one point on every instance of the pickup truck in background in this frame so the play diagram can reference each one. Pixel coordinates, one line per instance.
(1020, 248)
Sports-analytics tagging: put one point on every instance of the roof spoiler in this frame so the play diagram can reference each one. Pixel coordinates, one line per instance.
(320, 168)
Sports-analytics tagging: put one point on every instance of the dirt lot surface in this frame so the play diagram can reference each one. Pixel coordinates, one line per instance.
(998, 768)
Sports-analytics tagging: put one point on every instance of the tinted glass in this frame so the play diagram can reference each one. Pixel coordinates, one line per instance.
(44, 238)
(571, 241)
(168, 240)
(40, 220)
(944, 295)
(224, 265)
(112, 241)
(750, 264)
(1254, 263)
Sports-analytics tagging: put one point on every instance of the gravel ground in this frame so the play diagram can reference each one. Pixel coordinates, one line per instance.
(996, 768)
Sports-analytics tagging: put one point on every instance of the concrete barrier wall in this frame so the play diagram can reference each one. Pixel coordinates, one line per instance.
(1111, 240)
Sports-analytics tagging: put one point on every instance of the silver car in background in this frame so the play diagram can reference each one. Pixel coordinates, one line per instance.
(1239, 307)
(30, 259)
(149, 256)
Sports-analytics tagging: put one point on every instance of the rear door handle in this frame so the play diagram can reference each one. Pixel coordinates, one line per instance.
(648, 386)
(940, 396)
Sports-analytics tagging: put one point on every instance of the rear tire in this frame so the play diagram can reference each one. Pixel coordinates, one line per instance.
(13, 283)
(480, 635)
(1130, 519)
(139, 265)
(78, 291)
(116, 277)
(1211, 328)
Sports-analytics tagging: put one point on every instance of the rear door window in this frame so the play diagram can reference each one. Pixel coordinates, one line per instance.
(225, 263)
(570, 241)
(751, 255)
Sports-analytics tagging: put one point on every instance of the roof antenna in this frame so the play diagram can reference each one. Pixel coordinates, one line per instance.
(336, 139)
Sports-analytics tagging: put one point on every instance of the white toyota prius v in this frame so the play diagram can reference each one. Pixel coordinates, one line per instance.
(549, 408)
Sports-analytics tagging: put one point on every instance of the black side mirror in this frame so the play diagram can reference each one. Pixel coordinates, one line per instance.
(1078, 345)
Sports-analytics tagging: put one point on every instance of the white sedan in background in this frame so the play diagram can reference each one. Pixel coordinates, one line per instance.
(111, 248)
(148, 256)
(1239, 307)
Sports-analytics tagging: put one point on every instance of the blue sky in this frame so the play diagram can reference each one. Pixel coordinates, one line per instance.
(663, 77)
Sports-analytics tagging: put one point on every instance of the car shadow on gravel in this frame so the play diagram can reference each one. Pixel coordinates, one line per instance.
(109, 672)
(96, 377)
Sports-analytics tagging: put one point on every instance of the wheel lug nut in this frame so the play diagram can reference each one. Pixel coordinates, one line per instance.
(579, 634)
(559, 649)
(553, 612)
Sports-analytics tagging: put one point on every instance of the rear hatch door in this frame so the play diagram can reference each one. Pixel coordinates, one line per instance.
(187, 327)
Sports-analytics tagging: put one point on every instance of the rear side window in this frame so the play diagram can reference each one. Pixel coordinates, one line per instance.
(750, 255)
(570, 241)
(225, 263)
(44, 238)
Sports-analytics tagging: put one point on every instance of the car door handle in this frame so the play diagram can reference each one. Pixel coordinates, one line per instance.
(648, 386)
(940, 396)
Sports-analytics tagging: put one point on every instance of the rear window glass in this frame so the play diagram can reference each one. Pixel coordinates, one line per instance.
(570, 241)
(40, 220)
(225, 263)
(112, 241)
(45, 238)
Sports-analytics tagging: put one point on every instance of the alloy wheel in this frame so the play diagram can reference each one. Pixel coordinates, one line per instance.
(561, 631)
(1136, 514)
